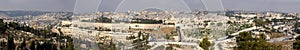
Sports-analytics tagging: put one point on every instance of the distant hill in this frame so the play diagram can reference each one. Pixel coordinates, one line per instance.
(154, 10)
(23, 13)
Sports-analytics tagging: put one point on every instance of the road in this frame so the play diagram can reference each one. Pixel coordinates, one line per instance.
(156, 44)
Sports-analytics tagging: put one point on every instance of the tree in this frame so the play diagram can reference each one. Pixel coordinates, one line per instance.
(245, 41)
(11, 44)
(260, 22)
(106, 43)
(141, 41)
(296, 45)
(2, 26)
(205, 44)
(244, 36)
(70, 46)
(14, 25)
(23, 45)
(38, 34)
(32, 45)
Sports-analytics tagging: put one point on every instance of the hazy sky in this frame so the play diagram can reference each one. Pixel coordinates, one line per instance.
(263, 5)
(110, 5)
(45, 5)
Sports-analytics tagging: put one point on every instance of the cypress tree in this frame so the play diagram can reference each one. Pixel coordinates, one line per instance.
(32, 46)
(11, 44)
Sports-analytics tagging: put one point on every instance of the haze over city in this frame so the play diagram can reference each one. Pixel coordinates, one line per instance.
(111, 5)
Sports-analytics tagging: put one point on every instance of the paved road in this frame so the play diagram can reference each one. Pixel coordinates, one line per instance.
(156, 44)
(247, 29)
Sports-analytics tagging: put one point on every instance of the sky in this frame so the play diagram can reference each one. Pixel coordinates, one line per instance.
(111, 5)
(138, 5)
(46, 5)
